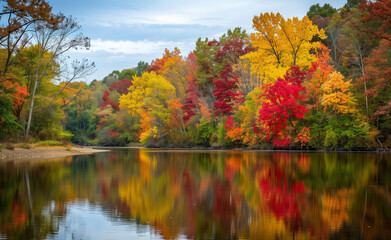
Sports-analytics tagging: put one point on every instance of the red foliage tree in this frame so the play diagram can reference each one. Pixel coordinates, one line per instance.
(157, 65)
(225, 92)
(190, 102)
(192, 93)
(216, 81)
(121, 86)
(107, 101)
(281, 104)
(226, 82)
(379, 17)
(378, 77)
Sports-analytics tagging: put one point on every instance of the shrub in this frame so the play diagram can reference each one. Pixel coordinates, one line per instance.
(25, 145)
(331, 139)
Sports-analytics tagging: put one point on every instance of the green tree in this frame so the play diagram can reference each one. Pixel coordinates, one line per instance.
(127, 74)
(141, 67)
(324, 11)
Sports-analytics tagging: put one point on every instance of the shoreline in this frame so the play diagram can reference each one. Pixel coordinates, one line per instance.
(44, 153)
(200, 148)
(55, 152)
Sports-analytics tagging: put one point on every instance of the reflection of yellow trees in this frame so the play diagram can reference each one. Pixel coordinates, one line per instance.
(145, 164)
(147, 202)
(266, 226)
(334, 208)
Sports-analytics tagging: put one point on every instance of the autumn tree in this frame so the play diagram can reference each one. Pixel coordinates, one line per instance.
(121, 86)
(344, 126)
(320, 71)
(216, 82)
(157, 65)
(150, 97)
(379, 17)
(21, 17)
(175, 70)
(282, 104)
(54, 42)
(280, 44)
(108, 102)
(18, 18)
(377, 80)
(337, 96)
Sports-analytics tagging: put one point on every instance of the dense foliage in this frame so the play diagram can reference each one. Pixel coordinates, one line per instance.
(322, 81)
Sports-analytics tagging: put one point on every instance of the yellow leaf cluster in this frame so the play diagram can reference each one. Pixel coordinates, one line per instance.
(148, 90)
(150, 97)
(337, 95)
(280, 44)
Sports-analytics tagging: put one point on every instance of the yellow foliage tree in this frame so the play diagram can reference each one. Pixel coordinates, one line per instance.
(150, 97)
(337, 95)
(280, 44)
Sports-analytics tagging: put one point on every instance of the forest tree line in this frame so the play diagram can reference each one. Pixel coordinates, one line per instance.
(322, 81)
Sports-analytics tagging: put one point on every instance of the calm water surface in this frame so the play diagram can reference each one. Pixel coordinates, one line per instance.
(157, 194)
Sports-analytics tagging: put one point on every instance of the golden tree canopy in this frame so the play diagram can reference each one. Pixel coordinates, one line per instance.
(280, 44)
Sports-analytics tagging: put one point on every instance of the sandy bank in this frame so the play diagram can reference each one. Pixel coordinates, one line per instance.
(39, 153)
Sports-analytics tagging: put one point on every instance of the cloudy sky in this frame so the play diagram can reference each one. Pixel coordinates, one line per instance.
(124, 32)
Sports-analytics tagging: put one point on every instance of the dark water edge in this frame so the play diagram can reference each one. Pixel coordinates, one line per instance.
(244, 149)
(197, 194)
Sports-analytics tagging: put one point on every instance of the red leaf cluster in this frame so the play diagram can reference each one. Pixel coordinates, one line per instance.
(281, 103)
(379, 14)
(111, 133)
(190, 102)
(107, 101)
(225, 92)
(121, 86)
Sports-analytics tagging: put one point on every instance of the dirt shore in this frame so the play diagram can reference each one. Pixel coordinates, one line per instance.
(40, 153)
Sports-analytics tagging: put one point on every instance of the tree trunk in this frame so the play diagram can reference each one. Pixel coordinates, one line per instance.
(31, 109)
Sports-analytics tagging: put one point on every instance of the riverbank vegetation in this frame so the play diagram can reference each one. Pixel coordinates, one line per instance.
(317, 82)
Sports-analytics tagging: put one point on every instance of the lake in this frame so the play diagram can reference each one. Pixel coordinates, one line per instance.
(186, 194)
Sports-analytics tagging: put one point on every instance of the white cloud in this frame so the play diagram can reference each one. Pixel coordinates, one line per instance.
(127, 47)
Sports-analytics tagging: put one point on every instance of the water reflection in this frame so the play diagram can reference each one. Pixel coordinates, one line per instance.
(141, 193)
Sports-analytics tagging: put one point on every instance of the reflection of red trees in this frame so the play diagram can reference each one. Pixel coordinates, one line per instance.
(101, 180)
(18, 214)
(285, 157)
(280, 195)
(112, 157)
(191, 200)
(223, 204)
(18, 218)
(232, 166)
